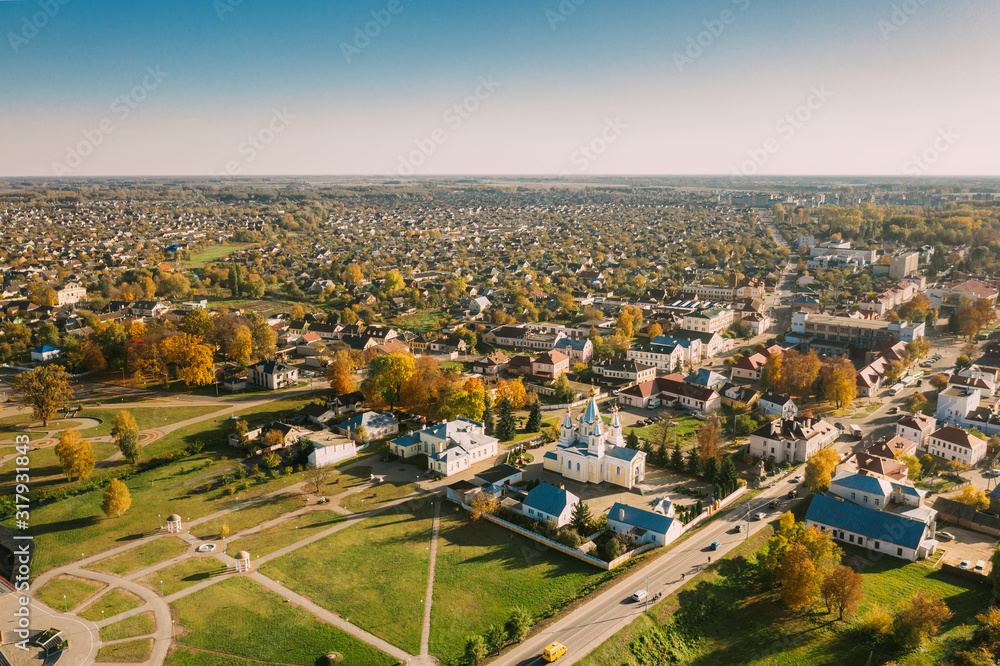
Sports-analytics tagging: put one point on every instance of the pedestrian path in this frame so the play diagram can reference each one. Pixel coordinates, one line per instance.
(425, 636)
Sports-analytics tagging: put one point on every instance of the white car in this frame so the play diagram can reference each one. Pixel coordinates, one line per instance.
(759, 515)
(797, 478)
(639, 596)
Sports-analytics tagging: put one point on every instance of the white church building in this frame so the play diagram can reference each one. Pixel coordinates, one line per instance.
(589, 451)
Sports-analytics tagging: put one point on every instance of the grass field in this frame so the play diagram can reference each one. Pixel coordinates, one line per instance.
(426, 321)
(146, 418)
(129, 652)
(770, 634)
(285, 533)
(238, 617)
(44, 462)
(130, 627)
(250, 515)
(141, 557)
(182, 575)
(686, 427)
(72, 588)
(376, 496)
(66, 528)
(484, 570)
(210, 254)
(390, 552)
(114, 602)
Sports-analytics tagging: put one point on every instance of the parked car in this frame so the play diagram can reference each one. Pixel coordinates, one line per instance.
(553, 651)
(840, 426)
(640, 595)
(946, 536)
(894, 410)
(965, 564)
(991, 473)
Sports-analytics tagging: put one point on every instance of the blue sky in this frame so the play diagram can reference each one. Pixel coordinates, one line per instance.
(587, 87)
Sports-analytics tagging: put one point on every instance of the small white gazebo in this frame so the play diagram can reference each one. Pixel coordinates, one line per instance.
(173, 523)
(242, 561)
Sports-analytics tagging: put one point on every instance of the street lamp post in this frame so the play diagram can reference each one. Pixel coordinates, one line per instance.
(65, 604)
(161, 589)
(647, 593)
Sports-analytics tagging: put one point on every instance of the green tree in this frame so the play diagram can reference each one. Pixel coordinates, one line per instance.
(711, 470)
(994, 575)
(534, 423)
(125, 434)
(693, 462)
(506, 427)
(632, 440)
(495, 637)
(46, 389)
(728, 479)
(388, 373)
(563, 391)
(488, 424)
(475, 647)
(518, 624)
(581, 518)
(677, 457)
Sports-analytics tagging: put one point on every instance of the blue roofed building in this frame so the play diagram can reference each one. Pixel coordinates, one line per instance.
(450, 446)
(706, 378)
(589, 451)
(643, 526)
(45, 353)
(579, 350)
(902, 536)
(546, 502)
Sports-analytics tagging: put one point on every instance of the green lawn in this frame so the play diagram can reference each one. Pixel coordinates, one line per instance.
(376, 496)
(425, 321)
(769, 634)
(484, 570)
(249, 515)
(44, 462)
(130, 627)
(66, 528)
(74, 589)
(183, 575)
(238, 617)
(114, 602)
(146, 418)
(285, 533)
(141, 557)
(390, 553)
(212, 254)
(129, 652)
(686, 427)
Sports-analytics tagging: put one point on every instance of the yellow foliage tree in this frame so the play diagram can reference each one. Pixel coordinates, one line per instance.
(819, 469)
(117, 499)
(242, 346)
(973, 497)
(75, 454)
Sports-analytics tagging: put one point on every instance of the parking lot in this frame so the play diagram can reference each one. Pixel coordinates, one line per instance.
(967, 545)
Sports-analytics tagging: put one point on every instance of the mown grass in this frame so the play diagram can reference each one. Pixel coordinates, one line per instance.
(376, 496)
(128, 652)
(141, 557)
(390, 554)
(146, 418)
(483, 571)
(183, 575)
(114, 602)
(238, 617)
(249, 515)
(285, 533)
(130, 627)
(686, 427)
(74, 589)
(211, 254)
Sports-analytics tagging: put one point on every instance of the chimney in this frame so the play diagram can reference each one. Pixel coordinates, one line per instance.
(621, 515)
(562, 486)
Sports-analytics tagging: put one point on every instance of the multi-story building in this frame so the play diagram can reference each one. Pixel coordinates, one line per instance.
(833, 335)
(71, 292)
(953, 443)
(953, 293)
(916, 428)
(450, 446)
(715, 320)
(792, 440)
(629, 371)
(901, 265)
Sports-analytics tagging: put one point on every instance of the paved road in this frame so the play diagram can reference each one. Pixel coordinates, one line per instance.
(584, 629)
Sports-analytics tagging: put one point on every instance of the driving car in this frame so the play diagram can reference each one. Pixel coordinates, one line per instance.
(715, 545)
(553, 651)
(773, 504)
(792, 494)
(894, 410)
(797, 478)
(759, 515)
(739, 528)
(640, 595)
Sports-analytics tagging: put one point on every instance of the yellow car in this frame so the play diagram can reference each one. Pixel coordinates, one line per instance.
(554, 651)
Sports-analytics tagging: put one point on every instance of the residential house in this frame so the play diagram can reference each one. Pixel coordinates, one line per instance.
(317, 412)
(272, 374)
(881, 531)
(951, 443)
(773, 404)
(479, 305)
(953, 293)
(624, 371)
(520, 365)
(579, 350)
(546, 502)
(45, 353)
(916, 428)
(662, 357)
(550, 365)
(71, 292)
(734, 395)
(377, 425)
(792, 440)
(671, 390)
(328, 448)
(714, 320)
(706, 378)
(492, 364)
(346, 402)
(642, 526)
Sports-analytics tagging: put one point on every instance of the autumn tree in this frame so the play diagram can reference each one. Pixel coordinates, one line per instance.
(339, 372)
(708, 441)
(919, 619)
(40, 293)
(483, 503)
(117, 499)
(771, 374)
(352, 275)
(841, 590)
(242, 347)
(191, 356)
(654, 330)
(819, 469)
(264, 337)
(125, 434)
(388, 373)
(797, 577)
(75, 455)
(973, 497)
(197, 323)
(514, 391)
(46, 389)
(317, 476)
(839, 383)
(274, 439)
(940, 382)
(799, 372)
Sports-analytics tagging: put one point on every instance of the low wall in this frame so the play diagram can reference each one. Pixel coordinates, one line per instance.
(552, 408)
(715, 508)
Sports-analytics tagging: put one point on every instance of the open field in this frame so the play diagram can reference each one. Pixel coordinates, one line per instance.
(686, 427)
(137, 625)
(483, 571)
(141, 557)
(376, 496)
(114, 602)
(213, 253)
(284, 533)
(182, 575)
(72, 588)
(129, 652)
(724, 597)
(249, 515)
(390, 554)
(238, 617)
